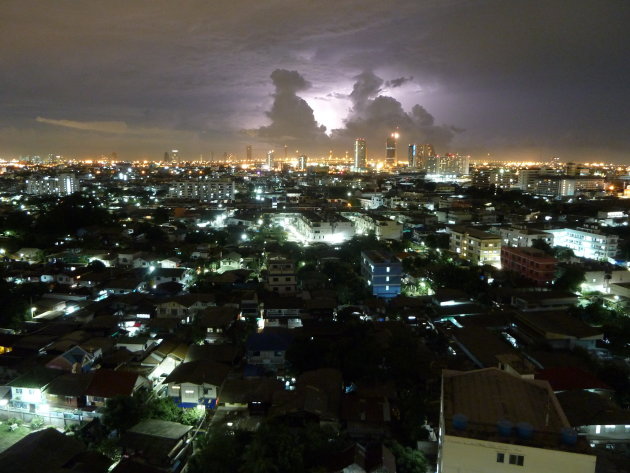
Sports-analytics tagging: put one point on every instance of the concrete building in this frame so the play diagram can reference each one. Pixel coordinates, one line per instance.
(494, 421)
(586, 242)
(475, 245)
(360, 154)
(530, 263)
(313, 227)
(383, 228)
(281, 277)
(383, 273)
(524, 237)
(61, 184)
(212, 190)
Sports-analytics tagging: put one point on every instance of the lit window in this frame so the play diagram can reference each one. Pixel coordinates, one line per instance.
(388, 269)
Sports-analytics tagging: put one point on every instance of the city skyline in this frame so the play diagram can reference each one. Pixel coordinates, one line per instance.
(526, 81)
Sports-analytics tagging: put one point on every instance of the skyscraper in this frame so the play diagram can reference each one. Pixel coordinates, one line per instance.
(248, 152)
(270, 159)
(412, 155)
(302, 162)
(174, 155)
(360, 154)
(390, 149)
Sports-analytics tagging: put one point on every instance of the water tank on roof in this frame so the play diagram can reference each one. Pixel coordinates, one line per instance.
(525, 430)
(569, 436)
(460, 421)
(504, 427)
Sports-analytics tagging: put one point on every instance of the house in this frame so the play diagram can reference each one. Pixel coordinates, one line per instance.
(523, 427)
(184, 307)
(557, 328)
(158, 443)
(283, 311)
(68, 391)
(543, 300)
(196, 383)
(165, 358)
(216, 321)
(49, 450)
(267, 349)
(281, 277)
(181, 276)
(254, 394)
(106, 384)
(27, 390)
(75, 360)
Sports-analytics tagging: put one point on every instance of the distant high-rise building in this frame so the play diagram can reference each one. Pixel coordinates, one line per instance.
(286, 151)
(174, 155)
(360, 154)
(248, 152)
(270, 159)
(302, 162)
(167, 158)
(390, 149)
(412, 155)
(61, 184)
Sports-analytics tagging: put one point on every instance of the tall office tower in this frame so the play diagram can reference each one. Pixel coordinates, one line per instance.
(167, 158)
(390, 149)
(248, 152)
(360, 154)
(302, 162)
(270, 159)
(286, 152)
(412, 155)
(174, 155)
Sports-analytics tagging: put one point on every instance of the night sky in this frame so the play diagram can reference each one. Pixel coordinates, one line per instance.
(513, 78)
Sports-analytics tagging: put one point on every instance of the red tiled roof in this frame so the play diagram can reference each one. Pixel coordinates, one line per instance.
(110, 383)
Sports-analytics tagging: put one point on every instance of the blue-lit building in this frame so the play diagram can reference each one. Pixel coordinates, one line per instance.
(382, 271)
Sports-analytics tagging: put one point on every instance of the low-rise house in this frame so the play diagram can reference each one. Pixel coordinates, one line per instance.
(159, 443)
(68, 391)
(558, 329)
(267, 349)
(27, 390)
(181, 276)
(184, 307)
(107, 384)
(216, 321)
(197, 383)
(76, 360)
(283, 312)
(529, 301)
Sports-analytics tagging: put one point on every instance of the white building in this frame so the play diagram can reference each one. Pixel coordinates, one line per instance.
(492, 421)
(383, 228)
(524, 237)
(206, 190)
(312, 227)
(587, 243)
(61, 184)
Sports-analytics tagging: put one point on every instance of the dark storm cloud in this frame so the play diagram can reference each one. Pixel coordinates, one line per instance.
(374, 116)
(393, 83)
(292, 119)
(548, 72)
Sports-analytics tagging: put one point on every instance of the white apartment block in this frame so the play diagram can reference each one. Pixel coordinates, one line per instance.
(206, 190)
(587, 243)
(383, 228)
(522, 237)
(312, 227)
(61, 184)
(475, 245)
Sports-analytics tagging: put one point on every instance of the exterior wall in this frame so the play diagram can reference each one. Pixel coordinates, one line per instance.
(266, 357)
(606, 433)
(384, 278)
(586, 244)
(518, 237)
(315, 230)
(210, 190)
(467, 455)
(28, 395)
(476, 250)
(281, 277)
(540, 269)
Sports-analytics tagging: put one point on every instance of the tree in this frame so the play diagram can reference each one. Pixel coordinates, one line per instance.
(571, 276)
(408, 460)
(541, 244)
(219, 451)
(274, 449)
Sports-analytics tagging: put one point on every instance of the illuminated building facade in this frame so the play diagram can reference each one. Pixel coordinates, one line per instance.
(360, 154)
